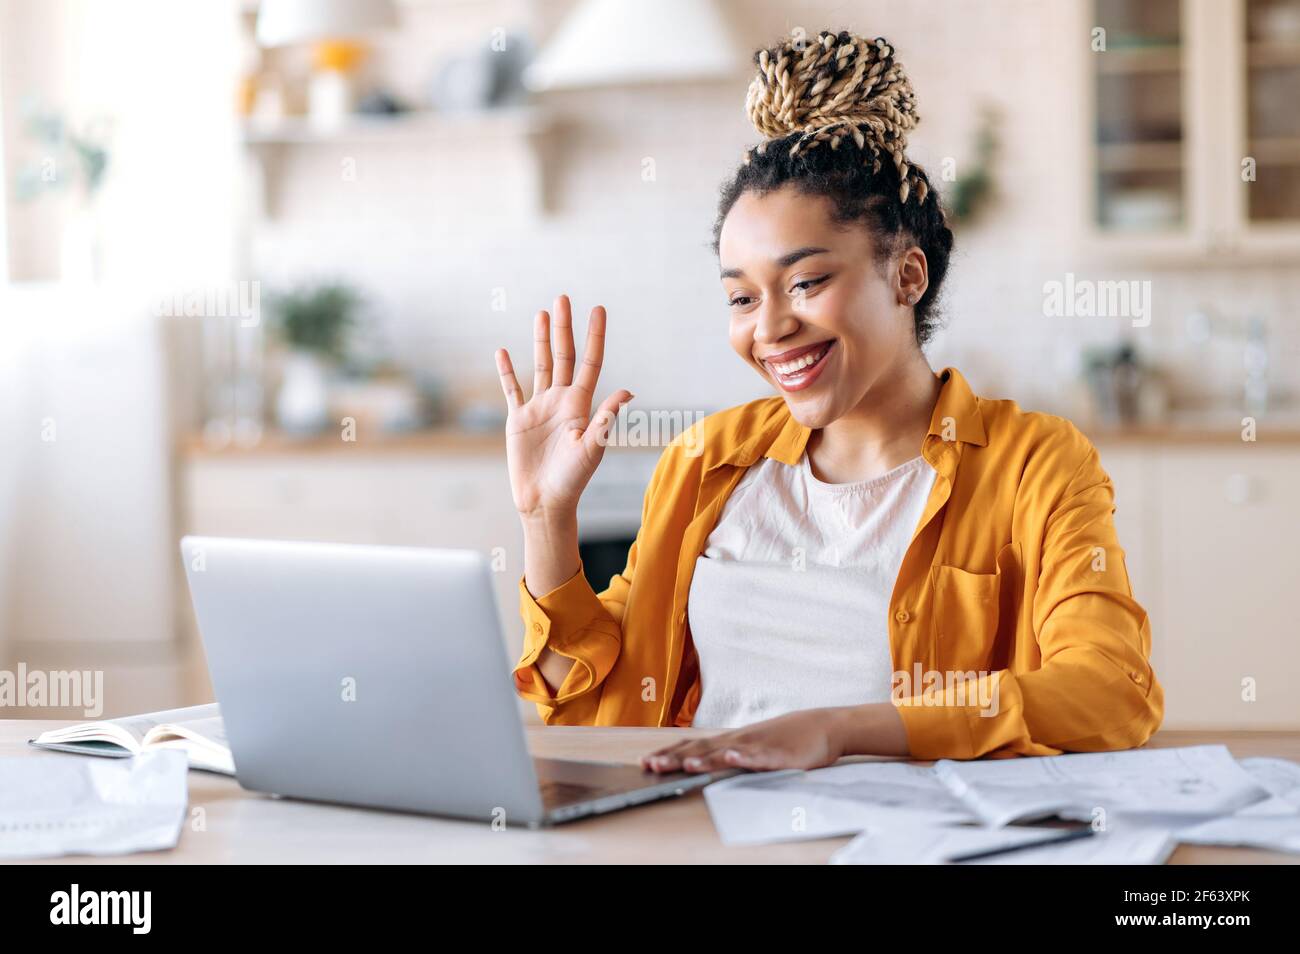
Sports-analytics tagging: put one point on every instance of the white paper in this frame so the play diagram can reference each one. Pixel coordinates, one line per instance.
(1150, 799)
(1281, 778)
(1277, 833)
(766, 807)
(52, 805)
(929, 845)
(1273, 823)
(1191, 782)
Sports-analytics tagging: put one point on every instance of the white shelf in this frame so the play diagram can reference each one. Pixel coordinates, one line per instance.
(414, 127)
(523, 127)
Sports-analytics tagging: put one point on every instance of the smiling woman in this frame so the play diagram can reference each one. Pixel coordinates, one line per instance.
(872, 561)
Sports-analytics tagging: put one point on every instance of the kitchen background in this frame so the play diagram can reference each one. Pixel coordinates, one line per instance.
(229, 229)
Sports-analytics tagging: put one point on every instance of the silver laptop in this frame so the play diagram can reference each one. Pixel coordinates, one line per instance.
(378, 676)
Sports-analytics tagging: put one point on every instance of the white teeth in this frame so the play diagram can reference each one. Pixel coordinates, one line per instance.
(797, 364)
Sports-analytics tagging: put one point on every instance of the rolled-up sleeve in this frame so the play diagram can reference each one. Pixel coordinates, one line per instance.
(572, 621)
(1095, 689)
(575, 621)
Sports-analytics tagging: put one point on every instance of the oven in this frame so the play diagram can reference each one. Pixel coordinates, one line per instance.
(609, 513)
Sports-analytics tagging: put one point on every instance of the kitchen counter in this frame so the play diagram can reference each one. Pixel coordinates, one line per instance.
(447, 440)
(1177, 431)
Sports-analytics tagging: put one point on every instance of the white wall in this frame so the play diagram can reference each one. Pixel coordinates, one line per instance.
(86, 545)
(162, 74)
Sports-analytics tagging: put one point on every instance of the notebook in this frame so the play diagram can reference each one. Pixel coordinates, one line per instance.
(197, 731)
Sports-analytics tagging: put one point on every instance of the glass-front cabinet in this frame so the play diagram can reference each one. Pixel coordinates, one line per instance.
(1194, 128)
(1138, 124)
(1267, 206)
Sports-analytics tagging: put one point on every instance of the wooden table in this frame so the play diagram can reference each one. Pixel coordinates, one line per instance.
(243, 827)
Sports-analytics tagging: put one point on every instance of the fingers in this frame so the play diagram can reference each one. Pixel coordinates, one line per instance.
(541, 352)
(563, 328)
(557, 367)
(658, 754)
(593, 353)
(708, 755)
(509, 383)
(596, 435)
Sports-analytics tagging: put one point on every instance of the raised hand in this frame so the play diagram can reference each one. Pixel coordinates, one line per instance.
(553, 441)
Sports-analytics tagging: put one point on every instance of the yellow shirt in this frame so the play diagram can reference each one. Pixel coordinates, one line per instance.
(1014, 579)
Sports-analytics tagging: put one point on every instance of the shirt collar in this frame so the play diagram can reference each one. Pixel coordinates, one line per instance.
(956, 417)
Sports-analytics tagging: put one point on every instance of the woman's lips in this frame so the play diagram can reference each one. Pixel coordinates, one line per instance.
(804, 377)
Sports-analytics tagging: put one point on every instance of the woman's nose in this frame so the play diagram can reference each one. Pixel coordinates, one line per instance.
(776, 320)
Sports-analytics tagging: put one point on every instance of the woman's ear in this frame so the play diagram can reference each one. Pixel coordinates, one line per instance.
(913, 276)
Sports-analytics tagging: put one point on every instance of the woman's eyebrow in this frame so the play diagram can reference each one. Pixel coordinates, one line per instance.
(784, 262)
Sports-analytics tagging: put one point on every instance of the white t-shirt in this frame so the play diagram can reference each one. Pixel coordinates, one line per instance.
(789, 601)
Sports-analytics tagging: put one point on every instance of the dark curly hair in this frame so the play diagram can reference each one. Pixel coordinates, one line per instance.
(830, 108)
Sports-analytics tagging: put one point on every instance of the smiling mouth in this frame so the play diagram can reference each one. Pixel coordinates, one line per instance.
(801, 372)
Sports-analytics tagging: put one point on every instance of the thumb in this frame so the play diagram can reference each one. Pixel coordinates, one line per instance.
(597, 433)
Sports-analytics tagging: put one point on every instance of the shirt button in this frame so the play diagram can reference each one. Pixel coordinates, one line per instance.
(537, 627)
(902, 616)
(1137, 677)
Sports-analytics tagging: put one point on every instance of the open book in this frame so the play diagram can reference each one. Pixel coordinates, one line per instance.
(197, 731)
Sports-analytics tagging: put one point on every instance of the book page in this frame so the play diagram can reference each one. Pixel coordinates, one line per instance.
(128, 731)
(139, 725)
(203, 740)
(209, 731)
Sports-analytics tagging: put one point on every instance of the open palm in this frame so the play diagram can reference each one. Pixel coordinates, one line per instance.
(553, 441)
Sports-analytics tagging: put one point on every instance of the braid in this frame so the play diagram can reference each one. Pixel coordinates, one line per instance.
(834, 89)
(831, 112)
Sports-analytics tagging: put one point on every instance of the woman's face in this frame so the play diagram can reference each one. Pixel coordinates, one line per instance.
(802, 288)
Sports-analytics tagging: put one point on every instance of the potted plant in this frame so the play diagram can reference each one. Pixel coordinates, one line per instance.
(75, 158)
(312, 323)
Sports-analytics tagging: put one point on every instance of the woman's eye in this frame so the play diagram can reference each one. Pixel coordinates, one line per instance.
(739, 300)
(808, 283)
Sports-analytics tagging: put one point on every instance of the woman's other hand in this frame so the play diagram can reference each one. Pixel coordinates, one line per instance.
(808, 739)
(803, 740)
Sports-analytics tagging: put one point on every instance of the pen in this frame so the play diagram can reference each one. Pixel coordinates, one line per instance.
(1083, 832)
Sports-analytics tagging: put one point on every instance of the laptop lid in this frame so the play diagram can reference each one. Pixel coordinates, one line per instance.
(368, 675)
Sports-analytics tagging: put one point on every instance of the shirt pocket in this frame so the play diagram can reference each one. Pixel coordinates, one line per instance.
(970, 609)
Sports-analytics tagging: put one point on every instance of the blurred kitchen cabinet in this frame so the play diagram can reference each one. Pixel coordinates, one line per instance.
(375, 497)
(1193, 135)
(1229, 576)
(1204, 526)
(1262, 74)
(1131, 470)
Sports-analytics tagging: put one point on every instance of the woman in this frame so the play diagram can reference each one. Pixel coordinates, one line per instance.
(874, 561)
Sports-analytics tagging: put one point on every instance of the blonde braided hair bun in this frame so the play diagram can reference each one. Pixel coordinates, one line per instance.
(836, 89)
